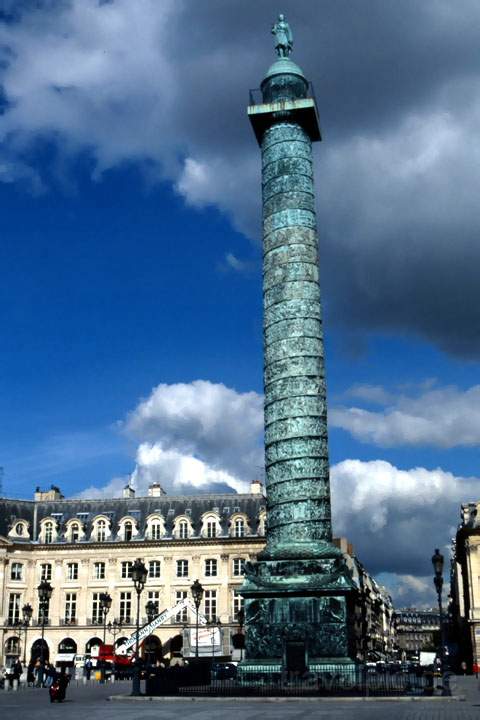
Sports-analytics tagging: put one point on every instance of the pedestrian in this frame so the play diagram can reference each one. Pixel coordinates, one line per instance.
(475, 669)
(31, 674)
(51, 674)
(17, 670)
(38, 670)
(87, 668)
(463, 667)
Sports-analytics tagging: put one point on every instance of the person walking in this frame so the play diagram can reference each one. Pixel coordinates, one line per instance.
(17, 670)
(31, 674)
(88, 668)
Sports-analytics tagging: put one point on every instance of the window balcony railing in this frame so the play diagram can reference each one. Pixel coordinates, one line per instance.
(95, 621)
(69, 621)
(38, 622)
(126, 620)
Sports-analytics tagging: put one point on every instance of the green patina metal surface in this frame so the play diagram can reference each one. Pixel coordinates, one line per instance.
(298, 589)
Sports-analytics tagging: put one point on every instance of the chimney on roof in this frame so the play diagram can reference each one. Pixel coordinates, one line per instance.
(256, 487)
(155, 490)
(53, 494)
(128, 491)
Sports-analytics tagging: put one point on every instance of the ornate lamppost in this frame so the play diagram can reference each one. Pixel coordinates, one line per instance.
(114, 628)
(197, 593)
(44, 594)
(437, 562)
(105, 605)
(139, 577)
(241, 623)
(27, 612)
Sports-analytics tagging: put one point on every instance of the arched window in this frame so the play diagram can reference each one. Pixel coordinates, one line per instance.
(19, 528)
(239, 528)
(75, 532)
(48, 535)
(183, 529)
(128, 531)
(101, 530)
(12, 646)
(40, 649)
(67, 645)
(93, 645)
(211, 529)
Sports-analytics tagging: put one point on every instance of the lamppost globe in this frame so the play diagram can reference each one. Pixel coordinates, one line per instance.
(44, 591)
(27, 612)
(139, 575)
(197, 593)
(437, 562)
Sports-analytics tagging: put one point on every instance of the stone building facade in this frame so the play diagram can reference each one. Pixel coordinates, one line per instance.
(87, 547)
(465, 585)
(416, 630)
(372, 613)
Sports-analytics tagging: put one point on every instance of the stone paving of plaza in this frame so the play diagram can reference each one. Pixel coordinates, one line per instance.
(92, 703)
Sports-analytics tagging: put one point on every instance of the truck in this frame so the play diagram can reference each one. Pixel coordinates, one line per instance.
(120, 659)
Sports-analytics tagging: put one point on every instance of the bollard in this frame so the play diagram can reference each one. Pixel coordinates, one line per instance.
(84, 679)
(6, 685)
(15, 685)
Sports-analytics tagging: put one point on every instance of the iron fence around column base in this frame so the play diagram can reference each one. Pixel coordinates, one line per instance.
(344, 683)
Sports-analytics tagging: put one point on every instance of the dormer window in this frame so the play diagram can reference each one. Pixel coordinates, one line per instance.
(155, 527)
(128, 531)
(101, 530)
(75, 532)
(19, 528)
(239, 528)
(156, 531)
(210, 526)
(183, 530)
(48, 532)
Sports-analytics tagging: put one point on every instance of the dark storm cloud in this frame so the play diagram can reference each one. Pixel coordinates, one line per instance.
(398, 87)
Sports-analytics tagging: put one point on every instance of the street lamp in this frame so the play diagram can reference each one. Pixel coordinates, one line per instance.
(197, 594)
(44, 594)
(139, 577)
(114, 628)
(105, 605)
(437, 562)
(27, 612)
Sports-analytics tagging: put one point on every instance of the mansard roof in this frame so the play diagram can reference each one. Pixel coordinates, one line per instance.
(169, 506)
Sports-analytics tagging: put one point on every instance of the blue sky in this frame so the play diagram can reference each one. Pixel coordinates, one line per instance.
(130, 258)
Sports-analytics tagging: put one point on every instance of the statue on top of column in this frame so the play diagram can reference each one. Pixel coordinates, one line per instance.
(283, 37)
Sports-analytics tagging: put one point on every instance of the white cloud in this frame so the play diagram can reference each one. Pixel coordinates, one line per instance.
(444, 417)
(198, 434)
(395, 518)
(173, 469)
